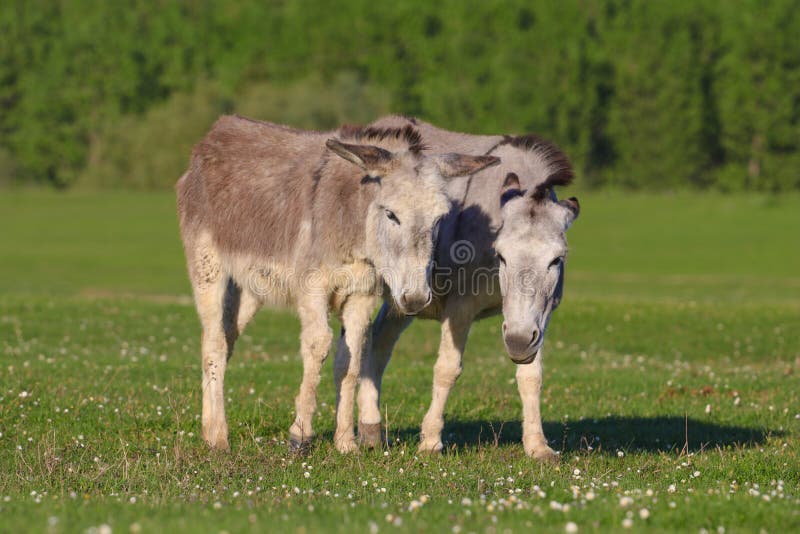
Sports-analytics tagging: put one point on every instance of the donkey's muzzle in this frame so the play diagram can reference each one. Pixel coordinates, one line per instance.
(521, 347)
(413, 303)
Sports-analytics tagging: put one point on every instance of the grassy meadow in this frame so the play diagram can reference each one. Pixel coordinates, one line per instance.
(671, 388)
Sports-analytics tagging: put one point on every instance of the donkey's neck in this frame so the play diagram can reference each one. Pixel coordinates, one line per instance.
(479, 192)
(342, 196)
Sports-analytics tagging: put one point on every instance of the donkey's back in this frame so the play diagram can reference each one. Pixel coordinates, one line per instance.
(248, 186)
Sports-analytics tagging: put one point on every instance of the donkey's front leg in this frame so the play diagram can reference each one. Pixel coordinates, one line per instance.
(355, 339)
(385, 332)
(315, 340)
(529, 383)
(446, 371)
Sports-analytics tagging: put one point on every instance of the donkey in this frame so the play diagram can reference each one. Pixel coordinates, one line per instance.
(502, 248)
(267, 216)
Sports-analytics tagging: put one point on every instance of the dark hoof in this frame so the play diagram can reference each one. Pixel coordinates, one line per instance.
(370, 436)
(299, 447)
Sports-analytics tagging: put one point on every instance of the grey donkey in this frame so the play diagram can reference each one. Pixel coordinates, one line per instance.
(502, 248)
(270, 215)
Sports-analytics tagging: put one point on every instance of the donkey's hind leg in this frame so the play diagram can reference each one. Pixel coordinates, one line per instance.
(240, 305)
(224, 310)
(210, 286)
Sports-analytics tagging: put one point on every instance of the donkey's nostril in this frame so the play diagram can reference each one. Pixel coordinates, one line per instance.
(535, 336)
(505, 327)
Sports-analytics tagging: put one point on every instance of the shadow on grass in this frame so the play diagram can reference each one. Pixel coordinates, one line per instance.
(606, 434)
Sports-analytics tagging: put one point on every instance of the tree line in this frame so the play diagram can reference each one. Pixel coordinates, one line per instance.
(640, 93)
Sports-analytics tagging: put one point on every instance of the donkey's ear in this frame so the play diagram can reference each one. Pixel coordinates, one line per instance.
(372, 159)
(511, 188)
(452, 165)
(573, 206)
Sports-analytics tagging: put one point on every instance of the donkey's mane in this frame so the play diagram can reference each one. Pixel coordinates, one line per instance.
(558, 165)
(369, 134)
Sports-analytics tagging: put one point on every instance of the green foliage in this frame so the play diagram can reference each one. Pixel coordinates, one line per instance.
(759, 97)
(8, 170)
(130, 152)
(642, 94)
(151, 151)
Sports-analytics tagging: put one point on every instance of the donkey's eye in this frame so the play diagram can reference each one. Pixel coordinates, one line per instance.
(392, 217)
(556, 262)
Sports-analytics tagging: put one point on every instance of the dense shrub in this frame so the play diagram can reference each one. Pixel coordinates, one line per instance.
(151, 151)
(642, 94)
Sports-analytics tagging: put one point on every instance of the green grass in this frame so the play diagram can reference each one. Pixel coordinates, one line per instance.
(671, 379)
(684, 246)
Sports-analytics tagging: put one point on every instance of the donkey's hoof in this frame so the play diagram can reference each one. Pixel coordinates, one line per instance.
(217, 438)
(299, 447)
(370, 435)
(347, 445)
(431, 446)
(220, 444)
(544, 454)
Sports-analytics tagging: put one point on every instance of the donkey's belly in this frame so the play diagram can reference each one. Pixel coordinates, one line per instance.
(273, 284)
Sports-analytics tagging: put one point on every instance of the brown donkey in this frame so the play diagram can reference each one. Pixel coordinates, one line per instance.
(270, 215)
